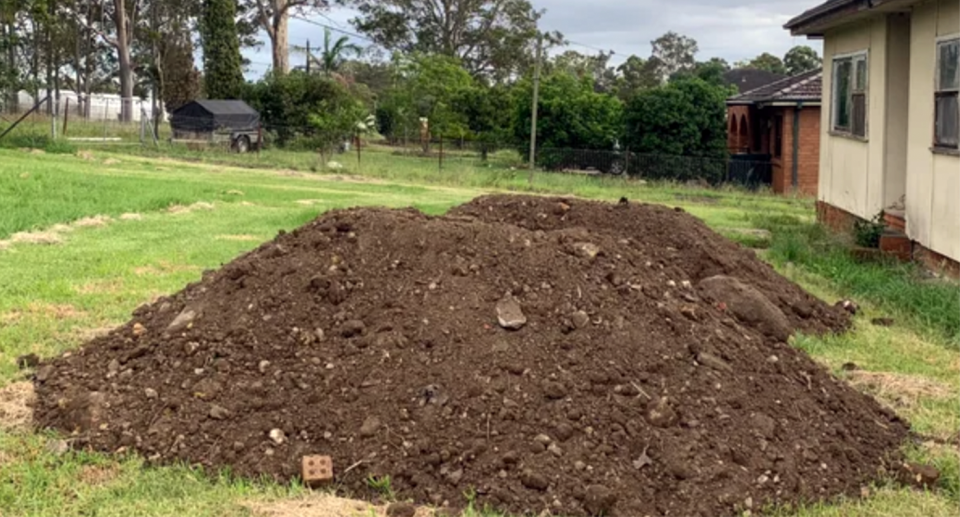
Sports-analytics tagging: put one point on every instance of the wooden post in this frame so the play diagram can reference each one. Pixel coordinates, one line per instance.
(533, 121)
(441, 151)
(66, 113)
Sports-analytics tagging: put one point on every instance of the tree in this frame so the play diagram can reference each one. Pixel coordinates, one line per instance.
(489, 112)
(637, 74)
(222, 74)
(768, 62)
(333, 54)
(490, 37)
(801, 59)
(581, 65)
(119, 34)
(675, 53)
(571, 115)
(684, 118)
(710, 71)
(273, 16)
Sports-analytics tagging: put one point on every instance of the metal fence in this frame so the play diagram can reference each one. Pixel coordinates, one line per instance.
(750, 170)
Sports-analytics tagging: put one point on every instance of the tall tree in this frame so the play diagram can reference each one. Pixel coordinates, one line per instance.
(222, 73)
(273, 16)
(490, 37)
(116, 28)
(765, 61)
(676, 53)
(333, 54)
(801, 59)
(638, 74)
(581, 65)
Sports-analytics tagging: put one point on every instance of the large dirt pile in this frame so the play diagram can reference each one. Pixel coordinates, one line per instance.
(646, 371)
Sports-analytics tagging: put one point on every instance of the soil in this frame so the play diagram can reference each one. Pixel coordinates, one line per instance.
(576, 357)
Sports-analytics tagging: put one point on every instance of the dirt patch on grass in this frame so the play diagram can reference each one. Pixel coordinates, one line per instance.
(95, 221)
(42, 237)
(59, 311)
(131, 217)
(563, 355)
(242, 237)
(87, 334)
(106, 286)
(95, 475)
(181, 209)
(319, 505)
(898, 387)
(16, 406)
(308, 202)
(163, 268)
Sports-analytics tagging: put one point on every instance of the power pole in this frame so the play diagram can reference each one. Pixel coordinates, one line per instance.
(308, 57)
(536, 100)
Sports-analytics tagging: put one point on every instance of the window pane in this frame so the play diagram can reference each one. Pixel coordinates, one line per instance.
(861, 83)
(841, 94)
(948, 120)
(949, 63)
(860, 114)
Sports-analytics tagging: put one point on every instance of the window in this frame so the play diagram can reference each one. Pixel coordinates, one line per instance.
(946, 108)
(850, 79)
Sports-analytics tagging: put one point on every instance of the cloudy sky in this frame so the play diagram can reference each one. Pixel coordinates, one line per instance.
(731, 29)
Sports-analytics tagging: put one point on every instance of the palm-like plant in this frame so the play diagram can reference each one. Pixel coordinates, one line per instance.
(333, 54)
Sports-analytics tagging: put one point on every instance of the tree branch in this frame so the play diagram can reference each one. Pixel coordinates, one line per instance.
(86, 25)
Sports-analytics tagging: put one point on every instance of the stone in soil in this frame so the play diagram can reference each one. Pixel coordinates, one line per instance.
(673, 414)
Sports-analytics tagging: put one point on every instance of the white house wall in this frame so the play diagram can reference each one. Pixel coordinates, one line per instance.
(933, 180)
(851, 170)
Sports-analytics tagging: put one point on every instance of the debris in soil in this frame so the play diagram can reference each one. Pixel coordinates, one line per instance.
(919, 476)
(848, 306)
(882, 322)
(28, 361)
(368, 335)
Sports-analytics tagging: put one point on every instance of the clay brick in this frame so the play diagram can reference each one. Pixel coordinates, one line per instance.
(316, 470)
(897, 245)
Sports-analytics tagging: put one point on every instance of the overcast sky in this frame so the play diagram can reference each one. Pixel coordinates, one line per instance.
(731, 29)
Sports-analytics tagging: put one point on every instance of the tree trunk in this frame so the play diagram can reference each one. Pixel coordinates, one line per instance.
(281, 49)
(126, 64)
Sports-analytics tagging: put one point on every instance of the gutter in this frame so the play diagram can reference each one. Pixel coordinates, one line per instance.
(802, 24)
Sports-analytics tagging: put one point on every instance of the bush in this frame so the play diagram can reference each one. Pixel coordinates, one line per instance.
(867, 233)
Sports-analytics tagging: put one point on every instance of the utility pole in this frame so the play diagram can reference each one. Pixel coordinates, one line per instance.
(536, 100)
(308, 57)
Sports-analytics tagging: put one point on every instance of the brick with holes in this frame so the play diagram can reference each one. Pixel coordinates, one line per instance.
(317, 470)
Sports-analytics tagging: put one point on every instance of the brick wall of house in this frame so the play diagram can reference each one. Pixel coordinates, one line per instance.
(740, 139)
(808, 152)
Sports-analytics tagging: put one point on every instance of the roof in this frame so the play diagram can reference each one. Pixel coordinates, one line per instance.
(222, 107)
(746, 79)
(806, 87)
(813, 22)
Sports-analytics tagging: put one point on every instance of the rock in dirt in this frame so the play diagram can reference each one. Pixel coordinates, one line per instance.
(219, 412)
(599, 500)
(534, 481)
(401, 510)
(182, 321)
(57, 447)
(509, 314)
(626, 384)
(747, 304)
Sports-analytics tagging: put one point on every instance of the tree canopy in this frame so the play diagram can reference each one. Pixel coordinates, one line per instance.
(801, 59)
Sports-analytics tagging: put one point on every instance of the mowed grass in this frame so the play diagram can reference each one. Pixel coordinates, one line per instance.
(52, 297)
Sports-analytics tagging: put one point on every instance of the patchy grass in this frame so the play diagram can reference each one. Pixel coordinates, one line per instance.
(53, 297)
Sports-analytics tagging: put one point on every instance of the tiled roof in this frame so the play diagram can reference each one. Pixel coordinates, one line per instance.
(805, 87)
(746, 79)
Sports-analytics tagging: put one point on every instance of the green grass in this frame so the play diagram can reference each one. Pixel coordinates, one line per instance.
(51, 297)
(900, 290)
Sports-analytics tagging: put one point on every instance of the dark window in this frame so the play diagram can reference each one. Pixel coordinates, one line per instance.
(946, 108)
(850, 76)
(778, 136)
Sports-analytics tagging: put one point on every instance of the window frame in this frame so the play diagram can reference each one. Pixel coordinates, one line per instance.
(937, 92)
(853, 58)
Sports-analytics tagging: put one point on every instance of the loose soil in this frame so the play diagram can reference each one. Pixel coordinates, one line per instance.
(649, 373)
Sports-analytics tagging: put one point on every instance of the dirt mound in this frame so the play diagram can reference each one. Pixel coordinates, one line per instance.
(645, 371)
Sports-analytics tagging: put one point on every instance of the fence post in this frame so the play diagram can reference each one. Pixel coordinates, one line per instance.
(66, 114)
(25, 115)
(626, 167)
(53, 118)
(106, 107)
(441, 151)
(358, 152)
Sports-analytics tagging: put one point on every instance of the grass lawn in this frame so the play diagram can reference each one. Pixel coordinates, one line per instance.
(164, 221)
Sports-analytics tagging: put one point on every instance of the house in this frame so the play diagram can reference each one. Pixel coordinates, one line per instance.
(746, 79)
(781, 120)
(889, 130)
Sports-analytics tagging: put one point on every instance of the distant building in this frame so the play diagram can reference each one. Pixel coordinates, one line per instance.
(746, 79)
(781, 120)
(102, 106)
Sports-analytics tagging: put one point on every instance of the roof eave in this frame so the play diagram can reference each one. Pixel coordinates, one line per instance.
(813, 22)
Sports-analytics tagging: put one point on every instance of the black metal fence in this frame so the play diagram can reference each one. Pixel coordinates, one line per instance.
(749, 170)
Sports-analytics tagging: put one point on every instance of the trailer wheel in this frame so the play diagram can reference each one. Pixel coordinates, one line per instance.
(242, 144)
